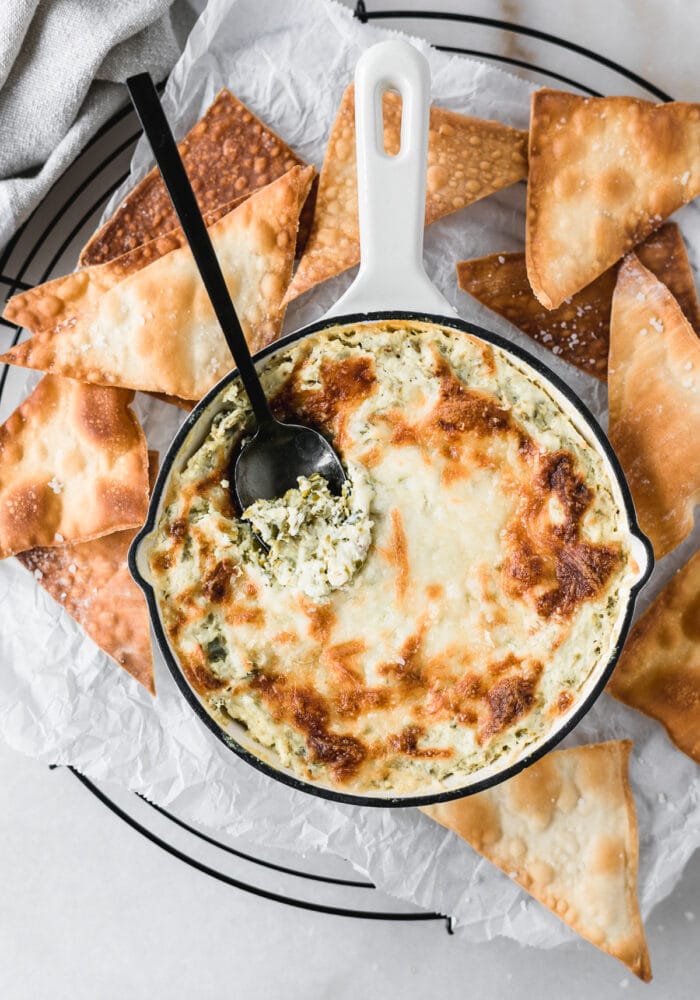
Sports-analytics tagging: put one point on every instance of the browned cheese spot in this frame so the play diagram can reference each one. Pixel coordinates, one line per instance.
(321, 619)
(460, 418)
(396, 553)
(344, 385)
(563, 703)
(407, 667)
(285, 638)
(341, 661)
(308, 712)
(546, 561)
(198, 673)
(216, 586)
(406, 742)
(490, 699)
(508, 700)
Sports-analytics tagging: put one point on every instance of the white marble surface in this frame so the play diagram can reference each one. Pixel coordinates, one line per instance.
(90, 909)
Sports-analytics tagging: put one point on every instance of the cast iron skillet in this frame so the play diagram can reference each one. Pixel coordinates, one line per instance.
(391, 204)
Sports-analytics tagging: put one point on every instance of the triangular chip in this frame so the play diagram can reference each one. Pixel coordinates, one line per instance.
(73, 466)
(654, 403)
(228, 153)
(566, 830)
(664, 254)
(604, 172)
(468, 159)
(156, 330)
(91, 580)
(182, 404)
(579, 329)
(45, 306)
(659, 670)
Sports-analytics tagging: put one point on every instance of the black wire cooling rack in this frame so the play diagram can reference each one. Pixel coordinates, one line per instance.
(47, 244)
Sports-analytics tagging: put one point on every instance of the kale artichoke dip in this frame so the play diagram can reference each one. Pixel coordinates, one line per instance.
(445, 611)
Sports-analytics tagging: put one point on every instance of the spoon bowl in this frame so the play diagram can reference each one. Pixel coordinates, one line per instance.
(271, 462)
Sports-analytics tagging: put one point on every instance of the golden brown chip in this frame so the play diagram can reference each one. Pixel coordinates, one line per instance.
(659, 670)
(654, 403)
(91, 580)
(664, 254)
(156, 329)
(579, 329)
(73, 466)
(603, 173)
(566, 830)
(45, 306)
(182, 404)
(468, 159)
(227, 154)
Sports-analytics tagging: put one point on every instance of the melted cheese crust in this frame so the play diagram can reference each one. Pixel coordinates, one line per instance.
(493, 588)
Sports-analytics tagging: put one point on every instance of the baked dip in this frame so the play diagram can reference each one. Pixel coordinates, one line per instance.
(439, 616)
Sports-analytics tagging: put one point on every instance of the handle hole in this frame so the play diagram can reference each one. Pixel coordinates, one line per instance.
(391, 118)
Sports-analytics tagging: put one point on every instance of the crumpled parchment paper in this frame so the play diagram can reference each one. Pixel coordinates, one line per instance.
(63, 701)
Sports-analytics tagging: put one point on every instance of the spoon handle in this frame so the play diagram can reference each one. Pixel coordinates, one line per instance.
(155, 126)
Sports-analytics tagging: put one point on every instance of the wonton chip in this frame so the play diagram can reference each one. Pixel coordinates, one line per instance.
(45, 306)
(579, 329)
(603, 173)
(664, 254)
(566, 830)
(654, 403)
(156, 330)
(468, 159)
(228, 154)
(91, 580)
(659, 670)
(73, 466)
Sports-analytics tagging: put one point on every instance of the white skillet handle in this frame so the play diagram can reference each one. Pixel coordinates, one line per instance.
(391, 189)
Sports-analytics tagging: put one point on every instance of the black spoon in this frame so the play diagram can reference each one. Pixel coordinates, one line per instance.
(272, 460)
